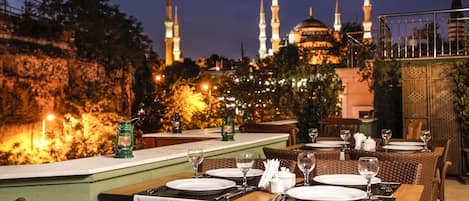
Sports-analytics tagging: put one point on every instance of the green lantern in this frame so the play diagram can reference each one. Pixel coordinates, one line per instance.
(228, 128)
(125, 139)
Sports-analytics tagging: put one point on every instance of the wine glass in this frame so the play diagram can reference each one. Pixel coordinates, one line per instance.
(368, 167)
(245, 161)
(195, 157)
(426, 136)
(345, 135)
(313, 134)
(386, 134)
(306, 162)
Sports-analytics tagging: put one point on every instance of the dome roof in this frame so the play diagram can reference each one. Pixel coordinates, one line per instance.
(311, 22)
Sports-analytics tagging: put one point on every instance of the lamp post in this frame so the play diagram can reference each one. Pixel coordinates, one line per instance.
(207, 87)
(49, 117)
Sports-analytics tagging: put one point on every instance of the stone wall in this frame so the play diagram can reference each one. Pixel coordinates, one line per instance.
(35, 84)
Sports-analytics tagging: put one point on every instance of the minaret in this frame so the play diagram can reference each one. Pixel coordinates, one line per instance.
(337, 24)
(168, 23)
(367, 21)
(177, 39)
(262, 34)
(275, 23)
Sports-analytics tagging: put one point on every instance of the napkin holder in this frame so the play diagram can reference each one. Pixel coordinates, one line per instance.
(271, 169)
(359, 140)
(369, 145)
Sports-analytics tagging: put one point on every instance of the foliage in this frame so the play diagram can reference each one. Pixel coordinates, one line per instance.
(316, 91)
(91, 133)
(461, 79)
(102, 32)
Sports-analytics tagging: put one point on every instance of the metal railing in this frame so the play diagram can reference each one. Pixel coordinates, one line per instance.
(429, 34)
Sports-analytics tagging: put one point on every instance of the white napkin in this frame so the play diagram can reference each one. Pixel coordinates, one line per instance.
(369, 144)
(158, 198)
(271, 168)
(359, 139)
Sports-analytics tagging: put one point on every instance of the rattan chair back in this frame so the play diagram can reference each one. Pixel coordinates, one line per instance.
(428, 161)
(217, 163)
(389, 171)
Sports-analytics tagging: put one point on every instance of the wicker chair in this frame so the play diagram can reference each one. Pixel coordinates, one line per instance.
(216, 163)
(331, 126)
(442, 166)
(428, 161)
(390, 171)
(293, 154)
(271, 128)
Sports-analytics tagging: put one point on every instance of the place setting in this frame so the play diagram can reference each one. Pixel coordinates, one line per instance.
(215, 184)
(406, 146)
(327, 144)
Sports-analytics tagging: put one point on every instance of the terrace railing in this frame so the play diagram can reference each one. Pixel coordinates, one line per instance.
(430, 34)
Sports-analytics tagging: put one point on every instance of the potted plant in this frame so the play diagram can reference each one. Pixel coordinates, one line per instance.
(461, 78)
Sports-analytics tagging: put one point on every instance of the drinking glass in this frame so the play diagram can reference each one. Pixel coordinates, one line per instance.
(345, 135)
(195, 157)
(244, 162)
(386, 134)
(313, 134)
(368, 167)
(425, 137)
(306, 162)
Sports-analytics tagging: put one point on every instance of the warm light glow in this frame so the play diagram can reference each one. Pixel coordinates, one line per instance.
(158, 78)
(50, 117)
(205, 87)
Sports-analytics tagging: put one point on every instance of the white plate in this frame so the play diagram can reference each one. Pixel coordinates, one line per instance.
(317, 145)
(326, 193)
(407, 143)
(201, 185)
(344, 179)
(402, 148)
(233, 172)
(331, 142)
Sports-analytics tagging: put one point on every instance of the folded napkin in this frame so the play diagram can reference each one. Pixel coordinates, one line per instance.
(359, 140)
(369, 144)
(158, 198)
(271, 168)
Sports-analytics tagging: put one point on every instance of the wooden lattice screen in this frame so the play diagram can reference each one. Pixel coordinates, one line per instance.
(427, 93)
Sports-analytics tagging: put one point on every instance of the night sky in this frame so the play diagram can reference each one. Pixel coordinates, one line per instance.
(218, 26)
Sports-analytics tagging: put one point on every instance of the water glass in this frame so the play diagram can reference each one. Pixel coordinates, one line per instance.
(306, 162)
(244, 162)
(368, 167)
(313, 134)
(425, 137)
(195, 157)
(386, 134)
(345, 135)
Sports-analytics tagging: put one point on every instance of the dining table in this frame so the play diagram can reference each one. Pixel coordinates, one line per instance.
(405, 192)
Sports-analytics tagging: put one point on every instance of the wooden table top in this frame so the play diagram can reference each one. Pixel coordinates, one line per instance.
(406, 192)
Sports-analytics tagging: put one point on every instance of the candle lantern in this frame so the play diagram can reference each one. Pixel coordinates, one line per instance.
(176, 123)
(125, 139)
(227, 128)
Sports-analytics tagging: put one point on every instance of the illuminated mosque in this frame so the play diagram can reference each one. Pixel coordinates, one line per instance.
(310, 34)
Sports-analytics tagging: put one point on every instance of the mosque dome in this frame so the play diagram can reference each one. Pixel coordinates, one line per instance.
(311, 22)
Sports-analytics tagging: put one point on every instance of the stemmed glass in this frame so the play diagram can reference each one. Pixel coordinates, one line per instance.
(368, 167)
(345, 135)
(306, 162)
(386, 134)
(313, 134)
(425, 137)
(245, 161)
(195, 157)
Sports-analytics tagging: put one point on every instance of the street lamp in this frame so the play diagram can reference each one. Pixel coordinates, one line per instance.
(206, 87)
(49, 117)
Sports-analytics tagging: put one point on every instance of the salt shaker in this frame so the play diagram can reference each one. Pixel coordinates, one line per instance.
(288, 179)
(276, 185)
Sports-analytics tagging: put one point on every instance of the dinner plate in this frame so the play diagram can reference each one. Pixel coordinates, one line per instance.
(407, 143)
(326, 193)
(201, 185)
(402, 147)
(318, 145)
(331, 142)
(344, 179)
(233, 172)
